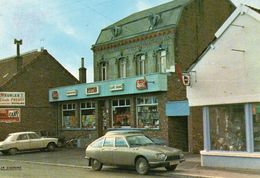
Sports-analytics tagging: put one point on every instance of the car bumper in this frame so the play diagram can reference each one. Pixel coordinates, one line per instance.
(165, 163)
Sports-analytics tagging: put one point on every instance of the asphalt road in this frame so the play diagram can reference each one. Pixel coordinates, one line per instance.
(20, 169)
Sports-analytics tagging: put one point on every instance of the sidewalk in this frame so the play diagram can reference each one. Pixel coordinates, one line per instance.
(75, 158)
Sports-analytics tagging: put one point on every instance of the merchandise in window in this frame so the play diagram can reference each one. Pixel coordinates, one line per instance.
(69, 116)
(87, 113)
(227, 127)
(121, 113)
(147, 112)
(256, 125)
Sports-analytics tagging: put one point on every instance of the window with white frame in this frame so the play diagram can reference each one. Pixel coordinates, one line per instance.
(103, 70)
(122, 68)
(87, 115)
(121, 113)
(161, 61)
(147, 112)
(256, 126)
(69, 117)
(140, 64)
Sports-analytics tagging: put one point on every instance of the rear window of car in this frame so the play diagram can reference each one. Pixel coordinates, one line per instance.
(98, 143)
(109, 142)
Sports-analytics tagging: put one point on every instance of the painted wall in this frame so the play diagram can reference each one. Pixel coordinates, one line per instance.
(229, 72)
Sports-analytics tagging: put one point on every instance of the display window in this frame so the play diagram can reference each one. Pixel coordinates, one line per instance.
(69, 119)
(227, 127)
(256, 126)
(87, 115)
(121, 113)
(147, 112)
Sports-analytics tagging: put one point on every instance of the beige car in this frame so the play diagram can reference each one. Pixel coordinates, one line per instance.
(21, 141)
(131, 149)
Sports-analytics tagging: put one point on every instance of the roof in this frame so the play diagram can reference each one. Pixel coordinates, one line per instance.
(149, 20)
(8, 66)
(18, 133)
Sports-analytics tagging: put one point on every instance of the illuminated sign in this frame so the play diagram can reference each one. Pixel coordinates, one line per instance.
(12, 98)
(55, 95)
(9, 115)
(117, 87)
(141, 84)
(92, 90)
(72, 93)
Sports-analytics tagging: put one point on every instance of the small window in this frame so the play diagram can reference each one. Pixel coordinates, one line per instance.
(22, 137)
(98, 143)
(120, 142)
(33, 136)
(109, 142)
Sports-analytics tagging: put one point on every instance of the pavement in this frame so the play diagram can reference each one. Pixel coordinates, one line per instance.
(74, 157)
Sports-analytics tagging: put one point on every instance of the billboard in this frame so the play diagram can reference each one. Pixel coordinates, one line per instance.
(9, 115)
(12, 98)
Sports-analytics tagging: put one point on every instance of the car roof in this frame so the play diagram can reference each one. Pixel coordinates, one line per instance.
(124, 132)
(18, 133)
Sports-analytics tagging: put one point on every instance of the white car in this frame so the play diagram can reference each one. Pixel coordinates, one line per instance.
(21, 141)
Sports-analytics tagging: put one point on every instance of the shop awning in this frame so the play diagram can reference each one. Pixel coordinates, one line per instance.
(177, 108)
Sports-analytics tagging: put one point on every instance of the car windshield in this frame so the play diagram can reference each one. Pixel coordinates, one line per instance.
(139, 140)
(9, 138)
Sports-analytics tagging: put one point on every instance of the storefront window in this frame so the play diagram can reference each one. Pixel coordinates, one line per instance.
(121, 113)
(227, 127)
(256, 124)
(87, 113)
(147, 112)
(69, 116)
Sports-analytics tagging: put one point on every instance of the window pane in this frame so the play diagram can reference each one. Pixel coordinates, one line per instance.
(256, 124)
(98, 143)
(82, 105)
(109, 142)
(120, 142)
(88, 119)
(121, 116)
(227, 127)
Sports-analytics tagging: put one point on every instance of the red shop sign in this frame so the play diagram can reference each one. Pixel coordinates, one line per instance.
(9, 115)
(141, 84)
(55, 95)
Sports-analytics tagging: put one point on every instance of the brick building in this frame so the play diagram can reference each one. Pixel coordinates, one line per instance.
(27, 78)
(137, 74)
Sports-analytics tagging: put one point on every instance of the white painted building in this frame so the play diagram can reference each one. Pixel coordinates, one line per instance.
(225, 80)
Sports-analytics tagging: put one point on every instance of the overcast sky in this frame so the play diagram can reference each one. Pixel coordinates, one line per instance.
(66, 28)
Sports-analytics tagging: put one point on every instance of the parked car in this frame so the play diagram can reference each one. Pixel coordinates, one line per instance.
(131, 149)
(21, 141)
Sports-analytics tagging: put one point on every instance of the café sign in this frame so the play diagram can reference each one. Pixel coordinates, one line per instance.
(92, 90)
(12, 98)
(117, 87)
(9, 115)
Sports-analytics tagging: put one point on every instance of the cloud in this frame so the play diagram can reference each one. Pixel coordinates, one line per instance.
(142, 5)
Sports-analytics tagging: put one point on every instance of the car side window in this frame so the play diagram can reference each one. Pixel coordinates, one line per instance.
(109, 142)
(22, 137)
(33, 136)
(120, 142)
(98, 143)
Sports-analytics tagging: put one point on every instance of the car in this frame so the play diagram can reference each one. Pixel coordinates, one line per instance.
(134, 149)
(23, 141)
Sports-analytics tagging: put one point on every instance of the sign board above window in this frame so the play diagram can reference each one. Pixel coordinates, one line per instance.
(92, 90)
(72, 93)
(141, 84)
(117, 87)
(12, 98)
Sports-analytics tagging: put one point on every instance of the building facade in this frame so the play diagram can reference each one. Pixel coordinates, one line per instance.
(137, 74)
(224, 81)
(24, 83)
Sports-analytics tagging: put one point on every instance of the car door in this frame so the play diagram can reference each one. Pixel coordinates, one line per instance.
(122, 154)
(106, 155)
(35, 141)
(22, 142)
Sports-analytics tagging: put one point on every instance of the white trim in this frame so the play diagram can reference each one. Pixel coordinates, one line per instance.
(230, 154)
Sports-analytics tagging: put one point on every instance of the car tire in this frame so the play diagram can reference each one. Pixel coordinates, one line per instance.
(96, 165)
(171, 167)
(142, 166)
(51, 147)
(12, 151)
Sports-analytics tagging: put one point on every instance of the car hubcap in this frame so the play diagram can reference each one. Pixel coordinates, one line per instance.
(142, 167)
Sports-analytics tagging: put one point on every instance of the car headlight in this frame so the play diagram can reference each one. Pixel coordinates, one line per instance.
(161, 156)
(181, 155)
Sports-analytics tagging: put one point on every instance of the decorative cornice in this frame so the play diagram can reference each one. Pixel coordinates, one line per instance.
(116, 44)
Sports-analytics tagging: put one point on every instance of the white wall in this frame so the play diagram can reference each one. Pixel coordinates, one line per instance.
(227, 76)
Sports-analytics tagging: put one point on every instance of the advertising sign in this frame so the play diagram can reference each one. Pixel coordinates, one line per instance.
(92, 90)
(9, 115)
(141, 84)
(117, 87)
(12, 98)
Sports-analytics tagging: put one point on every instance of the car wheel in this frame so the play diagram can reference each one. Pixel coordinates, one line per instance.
(96, 165)
(51, 147)
(12, 151)
(171, 167)
(142, 166)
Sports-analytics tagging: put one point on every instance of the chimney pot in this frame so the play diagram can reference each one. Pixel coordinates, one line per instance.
(82, 72)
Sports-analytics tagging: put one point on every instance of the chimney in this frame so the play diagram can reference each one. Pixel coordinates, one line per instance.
(82, 72)
(19, 59)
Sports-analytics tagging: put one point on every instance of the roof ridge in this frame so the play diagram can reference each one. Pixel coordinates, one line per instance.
(22, 54)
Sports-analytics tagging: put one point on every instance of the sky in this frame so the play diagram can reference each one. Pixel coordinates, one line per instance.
(66, 28)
